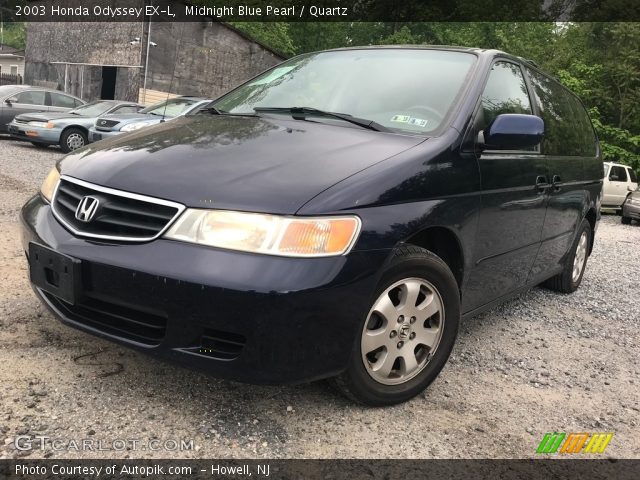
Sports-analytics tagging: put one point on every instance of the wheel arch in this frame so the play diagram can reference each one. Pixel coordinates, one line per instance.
(76, 127)
(445, 244)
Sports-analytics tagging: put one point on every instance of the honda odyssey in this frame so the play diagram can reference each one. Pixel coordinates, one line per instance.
(334, 217)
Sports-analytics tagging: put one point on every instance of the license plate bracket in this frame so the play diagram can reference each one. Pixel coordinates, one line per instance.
(55, 273)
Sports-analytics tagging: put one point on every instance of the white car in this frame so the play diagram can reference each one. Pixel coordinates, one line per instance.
(619, 180)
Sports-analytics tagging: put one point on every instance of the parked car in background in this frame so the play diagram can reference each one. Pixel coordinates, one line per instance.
(111, 125)
(619, 180)
(336, 216)
(69, 130)
(17, 99)
(631, 207)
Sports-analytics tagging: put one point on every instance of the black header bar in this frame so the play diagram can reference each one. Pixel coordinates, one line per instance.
(319, 10)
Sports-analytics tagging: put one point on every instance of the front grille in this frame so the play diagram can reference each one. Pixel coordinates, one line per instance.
(106, 124)
(119, 216)
(221, 345)
(144, 327)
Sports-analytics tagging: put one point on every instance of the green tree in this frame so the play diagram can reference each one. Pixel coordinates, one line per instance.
(14, 35)
(273, 34)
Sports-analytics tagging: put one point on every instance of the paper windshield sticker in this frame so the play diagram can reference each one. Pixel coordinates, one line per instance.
(418, 122)
(401, 118)
(277, 73)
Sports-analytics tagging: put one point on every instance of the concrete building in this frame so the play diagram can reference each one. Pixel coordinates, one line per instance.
(107, 59)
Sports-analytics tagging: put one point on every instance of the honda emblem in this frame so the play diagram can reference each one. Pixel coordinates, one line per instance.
(87, 209)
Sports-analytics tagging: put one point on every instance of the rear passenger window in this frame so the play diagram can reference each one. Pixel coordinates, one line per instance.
(632, 175)
(588, 141)
(567, 129)
(618, 174)
(58, 100)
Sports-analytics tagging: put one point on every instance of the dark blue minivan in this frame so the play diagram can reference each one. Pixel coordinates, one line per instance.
(334, 217)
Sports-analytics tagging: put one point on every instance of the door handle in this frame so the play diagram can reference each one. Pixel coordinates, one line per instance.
(541, 183)
(556, 182)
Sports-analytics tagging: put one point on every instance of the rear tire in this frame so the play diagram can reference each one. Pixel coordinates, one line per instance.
(625, 220)
(73, 139)
(570, 278)
(398, 353)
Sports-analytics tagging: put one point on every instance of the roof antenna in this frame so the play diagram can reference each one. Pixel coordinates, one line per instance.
(173, 74)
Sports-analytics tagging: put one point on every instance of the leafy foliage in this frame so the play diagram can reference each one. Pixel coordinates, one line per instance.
(274, 35)
(14, 35)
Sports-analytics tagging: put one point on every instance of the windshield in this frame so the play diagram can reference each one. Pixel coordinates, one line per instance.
(402, 89)
(174, 107)
(93, 109)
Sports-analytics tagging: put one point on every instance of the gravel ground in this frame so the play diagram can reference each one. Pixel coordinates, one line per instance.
(542, 362)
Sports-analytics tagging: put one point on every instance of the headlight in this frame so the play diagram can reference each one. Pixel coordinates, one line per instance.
(267, 234)
(49, 184)
(135, 126)
(41, 124)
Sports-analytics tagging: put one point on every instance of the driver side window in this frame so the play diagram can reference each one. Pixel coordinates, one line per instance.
(505, 92)
(31, 97)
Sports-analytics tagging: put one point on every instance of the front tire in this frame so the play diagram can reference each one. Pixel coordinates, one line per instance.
(405, 340)
(626, 220)
(73, 139)
(570, 278)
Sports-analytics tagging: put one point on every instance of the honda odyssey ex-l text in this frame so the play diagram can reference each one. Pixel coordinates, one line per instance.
(334, 217)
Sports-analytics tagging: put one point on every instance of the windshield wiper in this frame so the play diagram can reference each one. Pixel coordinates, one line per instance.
(301, 113)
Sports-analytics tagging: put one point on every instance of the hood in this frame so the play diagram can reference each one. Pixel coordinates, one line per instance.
(41, 117)
(125, 118)
(238, 163)
(62, 119)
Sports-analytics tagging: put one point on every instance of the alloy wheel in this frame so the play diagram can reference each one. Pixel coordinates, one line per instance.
(580, 257)
(402, 331)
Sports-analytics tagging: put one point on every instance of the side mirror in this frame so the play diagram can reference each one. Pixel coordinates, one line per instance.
(11, 100)
(514, 130)
(614, 178)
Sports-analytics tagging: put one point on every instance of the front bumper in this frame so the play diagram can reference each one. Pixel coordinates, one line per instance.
(48, 136)
(631, 210)
(251, 318)
(97, 135)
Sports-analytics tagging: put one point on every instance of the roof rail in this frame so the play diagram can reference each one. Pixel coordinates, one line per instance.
(528, 60)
